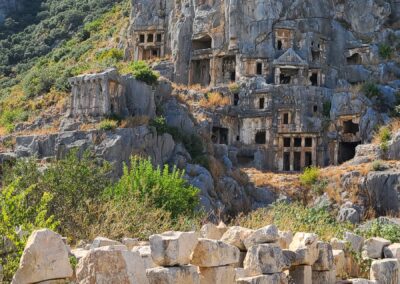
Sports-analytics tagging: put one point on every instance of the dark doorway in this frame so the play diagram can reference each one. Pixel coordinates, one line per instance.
(287, 142)
(350, 127)
(220, 135)
(308, 159)
(245, 160)
(285, 118)
(235, 99)
(285, 79)
(347, 151)
(314, 79)
(308, 142)
(259, 68)
(286, 161)
(355, 59)
(279, 45)
(261, 137)
(261, 103)
(296, 161)
(201, 72)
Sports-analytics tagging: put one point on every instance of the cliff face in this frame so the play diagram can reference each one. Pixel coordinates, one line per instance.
(7, 6)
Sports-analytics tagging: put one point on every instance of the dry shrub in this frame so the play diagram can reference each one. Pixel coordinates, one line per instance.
(87, 126)
(135, 121)
(216, 168)
(214, 99)
(240, 177)
(136, 219)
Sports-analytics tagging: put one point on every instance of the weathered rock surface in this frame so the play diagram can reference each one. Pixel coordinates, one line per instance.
(236, 235)
(325, 259)
(305, 246)
(277, 278)
(103, 242)
(268, 234)
(265, 259)
(392, 251)
(212, 253)
(111, 265)
(213, 232)
(385, 271)
(45, 257)
(173, 275)
(221, 275)
(301, 274)
(373, 247)
(173, 248)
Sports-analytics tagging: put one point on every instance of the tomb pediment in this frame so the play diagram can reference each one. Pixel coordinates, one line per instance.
(290, 58)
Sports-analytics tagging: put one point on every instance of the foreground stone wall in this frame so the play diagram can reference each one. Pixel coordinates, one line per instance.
(216, 254)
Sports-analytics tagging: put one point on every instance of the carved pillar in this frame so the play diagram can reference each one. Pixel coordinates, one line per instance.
(277, 75)
(314, 151)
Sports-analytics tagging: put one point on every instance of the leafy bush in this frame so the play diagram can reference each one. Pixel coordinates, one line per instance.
(161, 187)
(370, 90)
(384, 136)
(108, 124)
(378, 228)
(143, 72)
(378, 166)
(9, 117)
(310, 176)
(111, 55)
(296, 218)
(385, 51)
(18, 212)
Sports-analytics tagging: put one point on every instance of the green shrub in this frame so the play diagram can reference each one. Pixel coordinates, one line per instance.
(108, 124)
(17, 212)
(296, 218)
(378, 166)
(310, 176)
(9, 117)
(370, 90)
(381, 229)
(143, 72)
(384, 136)
(385, 51)
(164, 188)
(112, 54)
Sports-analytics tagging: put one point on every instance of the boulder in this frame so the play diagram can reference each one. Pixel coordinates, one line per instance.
(213, 232)
(103, 242)
(212, 253)
(305, 246)
(264, 259)
(145, 254)
(356, 242)
(385, 271)
(172, 248)
(373, 247)
(301, 274)
(236, 235)
(268, 234)
(392, 251)
(186, 274)
(111, 264)
(79, 253)
(220, 275)
(325, 257)
(349, 213)
(285, 238)
(45, 257)
(276, 278)
(362, 281)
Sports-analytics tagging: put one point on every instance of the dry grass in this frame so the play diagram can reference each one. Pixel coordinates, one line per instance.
(87, 126)
(135, 121)
(213, 100)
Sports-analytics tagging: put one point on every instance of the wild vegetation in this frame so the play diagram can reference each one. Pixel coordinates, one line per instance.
(83, 202)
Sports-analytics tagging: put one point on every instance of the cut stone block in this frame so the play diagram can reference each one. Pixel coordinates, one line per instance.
(186, 274)
(301, 274)
(145, 254)
(338, 244)
(325, 257)
(324, 277)
(385, 271)
(130, 243)
(305, 247)
(267, 234)
(285, 238)
(212, 253)
(173, 248)
(362, 281)
(220, 275)
(236, 235)
(340, 262)
(103, 242)
(213, 232)
(392, 251)
(265, 259)
(373, 248)
(356, 242)
(277, 278)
